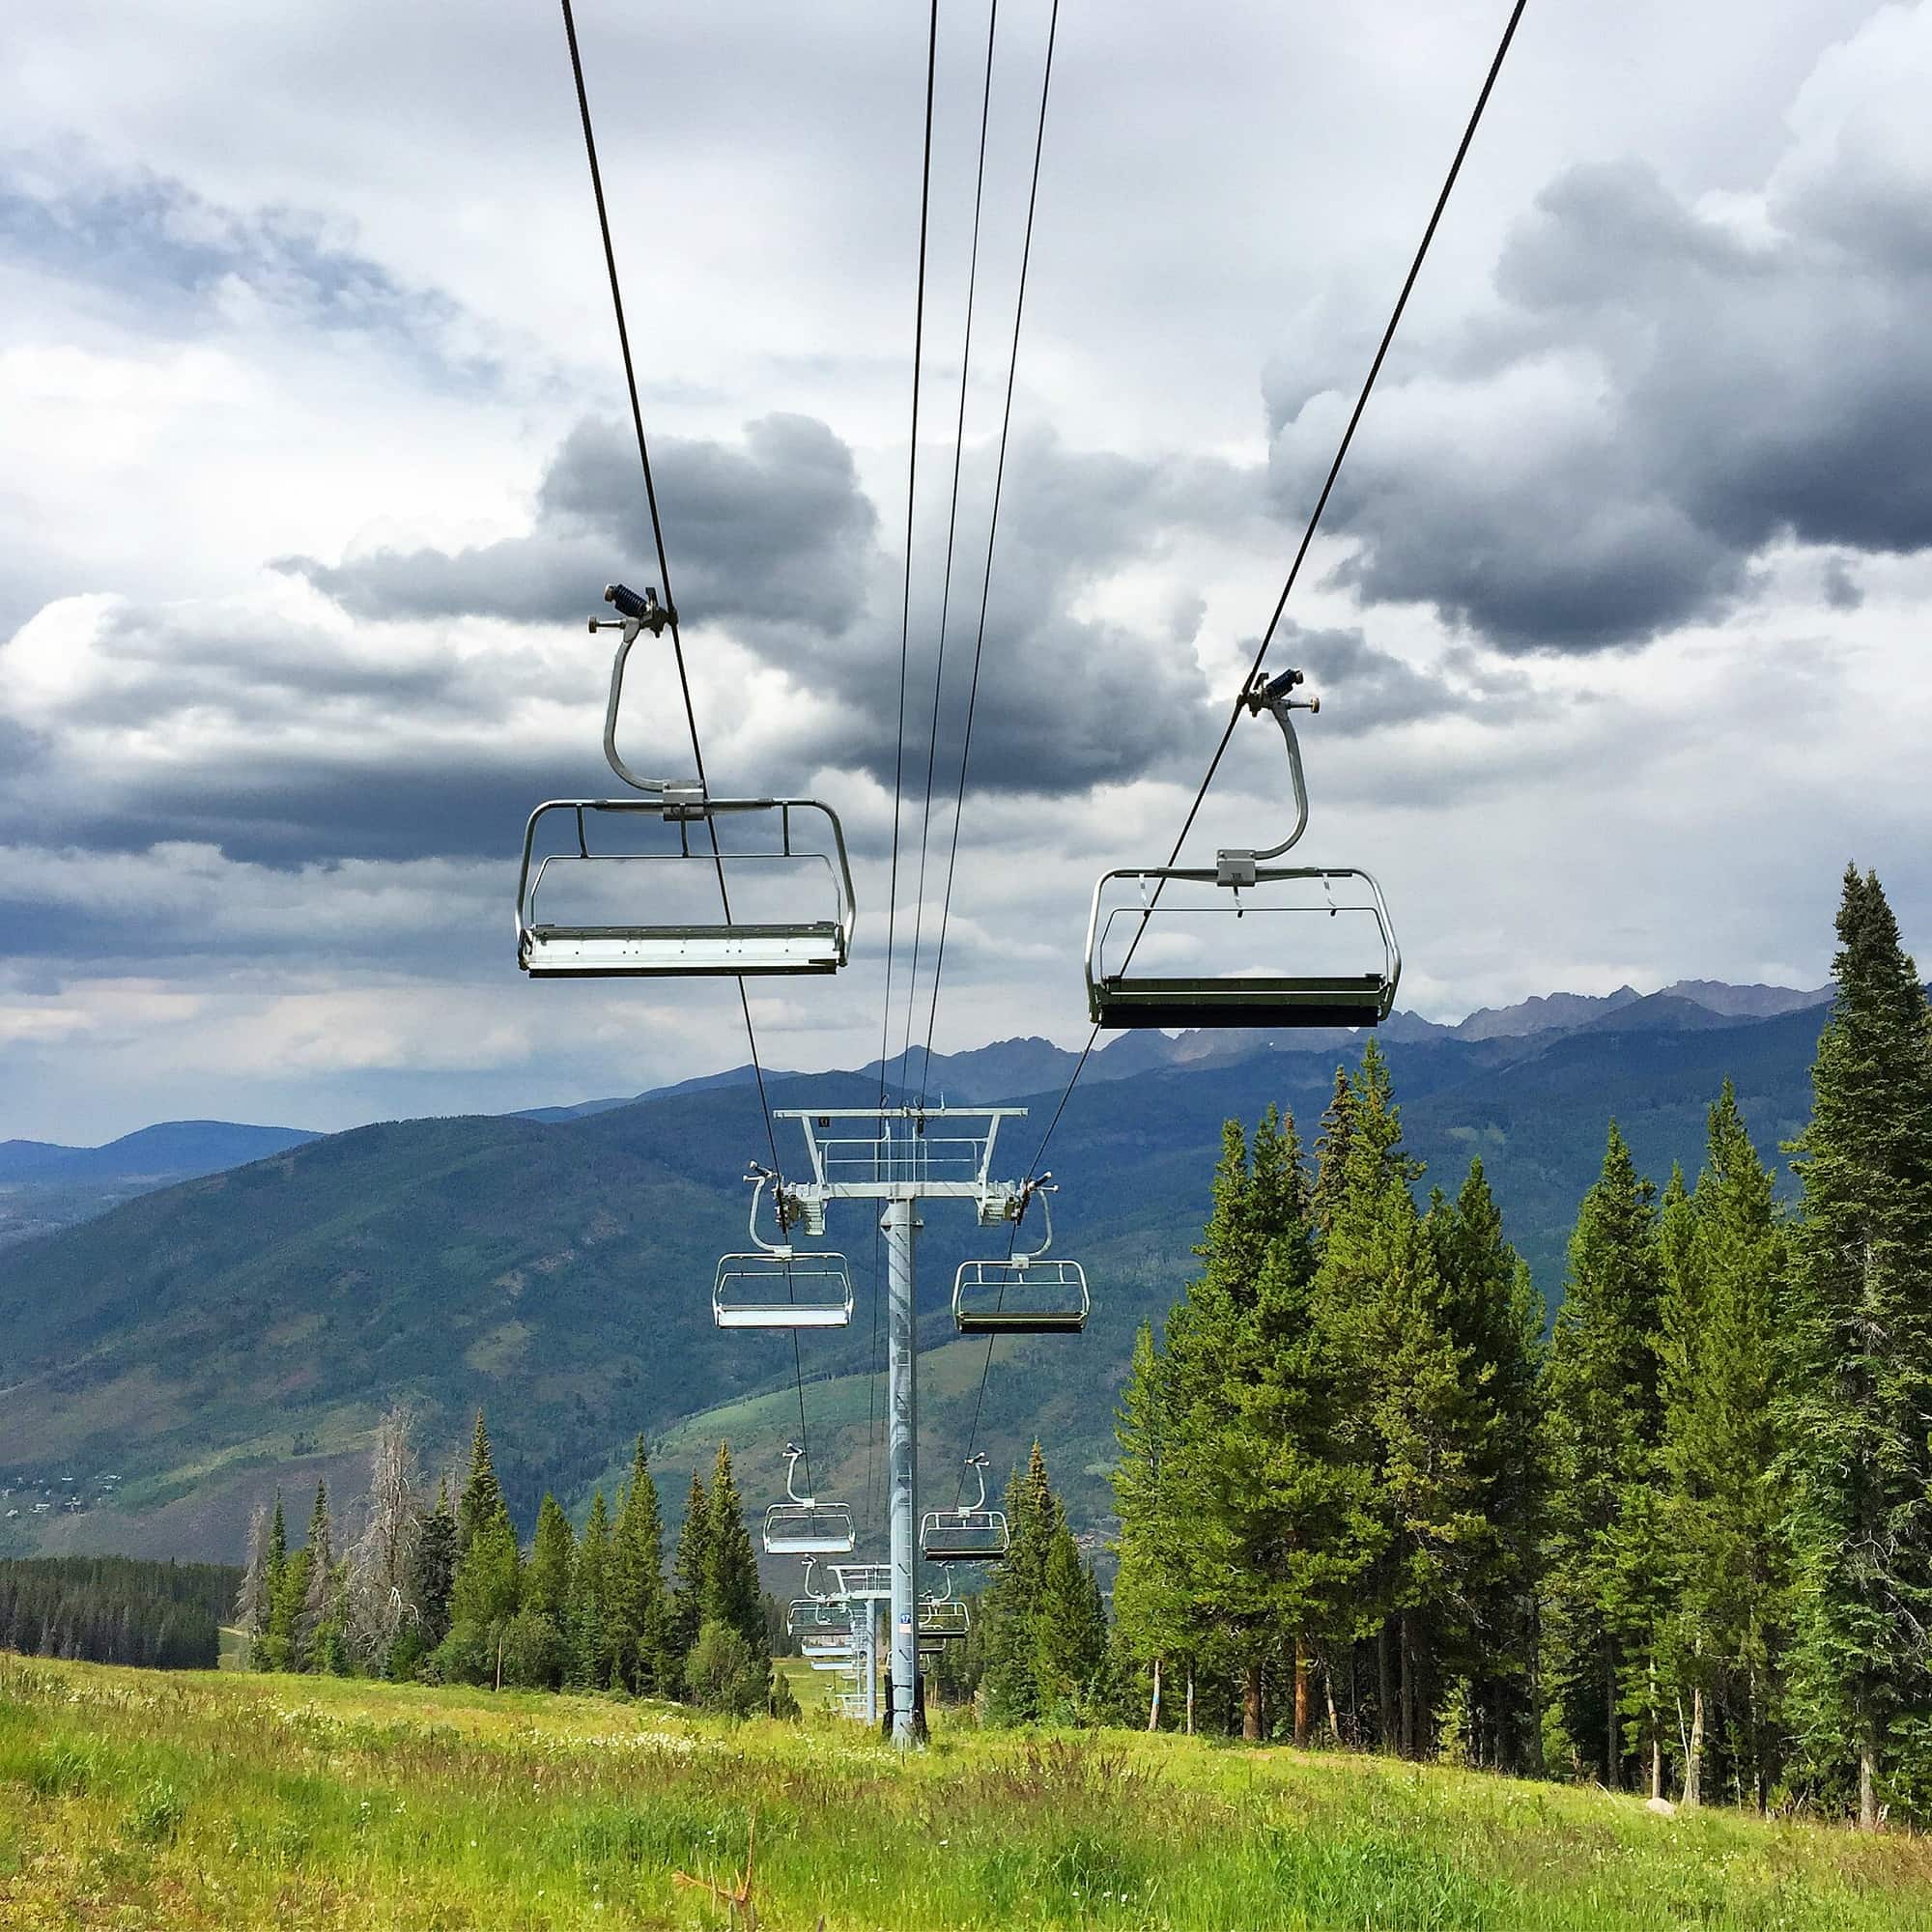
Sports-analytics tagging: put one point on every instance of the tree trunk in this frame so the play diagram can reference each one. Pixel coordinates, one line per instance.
(1328, 1693)
(1153, 1704)
(1385, 1716)
(1409, 1687)
(1300, 1693)
(1694, 1758)
(499, 1659)
(1612, 1756)
(1190, 1700)
(1867, 1782)
(1656, 1741)
(1251, 1703)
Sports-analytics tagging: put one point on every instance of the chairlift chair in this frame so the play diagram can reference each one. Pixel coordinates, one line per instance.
(802, 1525)
(975, 1534)
(862, 1582)
(943, 1619)
(1025, 1293)
(1155, 993)
(592, 936)
(781, 1287)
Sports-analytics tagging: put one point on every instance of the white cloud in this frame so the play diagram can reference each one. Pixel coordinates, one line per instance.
(281, 300)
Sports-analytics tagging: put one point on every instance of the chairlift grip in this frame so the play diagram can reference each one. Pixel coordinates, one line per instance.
(1235, 866)
(631, 626)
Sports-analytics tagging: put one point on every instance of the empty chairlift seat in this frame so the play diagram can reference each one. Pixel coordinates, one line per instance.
(1025, 1293)
(622, 887)
(782, 1290)
(1246, 942)
(1020, 1297)
(802, 1526)
(943, 1620)
(971, 1534)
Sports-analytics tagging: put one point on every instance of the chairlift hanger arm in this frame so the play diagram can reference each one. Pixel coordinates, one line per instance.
(637, 613)
(1234, 864)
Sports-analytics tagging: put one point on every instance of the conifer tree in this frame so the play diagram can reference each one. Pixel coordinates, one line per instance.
(636, 1614)
(553, 1556)
(271, 1648)
(1069, 1631)
(688, 1570)
(486, 1597)
(433, 1570)
(1012, 1602)
(1604, 1426)
(1718, 1341)
(1153, 1609)
(317, 1628)
(482, 1500)
(1495, 1316)
(1858, 1450)
(730, 1594)
(589, 1602)
(1331, 1152)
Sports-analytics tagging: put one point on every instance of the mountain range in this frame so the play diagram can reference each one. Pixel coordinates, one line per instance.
(175, 1356)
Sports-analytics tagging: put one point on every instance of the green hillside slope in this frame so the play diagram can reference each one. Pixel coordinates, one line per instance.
(207, 1341)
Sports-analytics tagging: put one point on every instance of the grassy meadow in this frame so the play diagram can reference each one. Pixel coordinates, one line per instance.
(140, 1799)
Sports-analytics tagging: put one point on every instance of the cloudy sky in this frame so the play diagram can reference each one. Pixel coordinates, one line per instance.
(313, 461)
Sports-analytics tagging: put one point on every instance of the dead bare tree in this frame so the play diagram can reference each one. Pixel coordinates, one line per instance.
(383, 1553)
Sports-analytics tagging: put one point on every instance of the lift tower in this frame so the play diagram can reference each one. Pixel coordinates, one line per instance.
(900, 1158)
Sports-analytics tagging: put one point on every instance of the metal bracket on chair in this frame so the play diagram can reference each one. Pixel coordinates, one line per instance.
(1235, 866)
(635, 614)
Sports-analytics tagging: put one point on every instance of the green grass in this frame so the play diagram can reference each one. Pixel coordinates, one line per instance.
(225, 1799)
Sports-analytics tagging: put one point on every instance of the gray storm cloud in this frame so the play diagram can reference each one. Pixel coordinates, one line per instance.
(1667, 393)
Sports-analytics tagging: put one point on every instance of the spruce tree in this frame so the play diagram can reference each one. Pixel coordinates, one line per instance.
(1495, 1316)
(1070, 1632)
(637, 1616)
(268, 1651)
(1604, 1426)
(433, 1570)
(688, 1570)
(1719, 1342)
(486, 1597)
(730, 1594)
(1153, 1610)
(1331, 1152)
(552, 1558)
(482, 1499)
(317, 1628)
(1012, 1602)
(589, 1602)
(1855, 1414)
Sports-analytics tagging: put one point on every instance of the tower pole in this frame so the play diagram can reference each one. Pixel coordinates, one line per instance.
(901, 1223)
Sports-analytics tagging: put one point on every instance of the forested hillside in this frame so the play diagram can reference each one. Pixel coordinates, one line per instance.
(115, 1610)
(250, 1328)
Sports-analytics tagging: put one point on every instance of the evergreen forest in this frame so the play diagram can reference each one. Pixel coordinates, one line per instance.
(1680, 1543)
(115, 1610)
(1369, 1498)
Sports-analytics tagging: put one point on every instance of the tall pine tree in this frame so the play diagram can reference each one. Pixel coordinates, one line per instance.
(482, 1501)
(1603, 1426)
(1855, 1414)
(1718, 1338)
(636, 1618)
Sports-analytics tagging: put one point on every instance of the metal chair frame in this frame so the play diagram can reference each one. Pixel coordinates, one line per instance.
(647, 950)
(1125, 999)
(1052, 1295)
(975, 1534)
(802, 1525)
(826, 1277)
